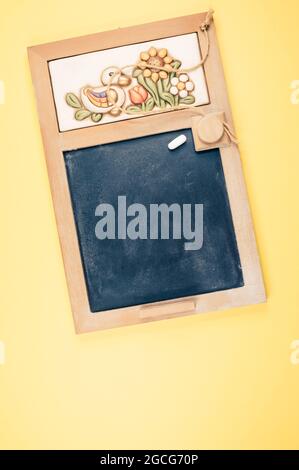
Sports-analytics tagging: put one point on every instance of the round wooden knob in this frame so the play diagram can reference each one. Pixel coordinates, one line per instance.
(210, 129)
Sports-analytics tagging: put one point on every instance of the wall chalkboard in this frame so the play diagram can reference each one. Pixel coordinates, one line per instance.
(106, 119)
(121, 273)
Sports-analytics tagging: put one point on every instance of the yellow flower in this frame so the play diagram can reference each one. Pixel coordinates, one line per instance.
(151, 61)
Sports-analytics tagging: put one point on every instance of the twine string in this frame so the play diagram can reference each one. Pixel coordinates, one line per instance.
(204, 28)
(228, 130)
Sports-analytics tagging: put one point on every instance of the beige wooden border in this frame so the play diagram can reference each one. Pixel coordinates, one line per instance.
(56, 142)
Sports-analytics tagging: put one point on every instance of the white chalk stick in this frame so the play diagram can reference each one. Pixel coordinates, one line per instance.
(175, 143)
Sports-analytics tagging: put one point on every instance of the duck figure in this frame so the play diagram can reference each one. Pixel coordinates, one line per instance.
(103, 100)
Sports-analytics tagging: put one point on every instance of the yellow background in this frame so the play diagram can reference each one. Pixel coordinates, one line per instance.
(221, 380)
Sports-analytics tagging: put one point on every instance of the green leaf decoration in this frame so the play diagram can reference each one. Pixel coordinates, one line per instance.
(168, 97)
(133, 109)
(190, 99)
(149, 104)
(96, 117)
(72, 100)
(176, 100)
(143, 107)
(141, 81)
(82, 114)
(153, 90)
(166, 83)
(161, 91)
(176, 64)
(136, 72)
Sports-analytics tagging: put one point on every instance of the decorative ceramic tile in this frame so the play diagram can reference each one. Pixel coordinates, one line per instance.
(89, 89)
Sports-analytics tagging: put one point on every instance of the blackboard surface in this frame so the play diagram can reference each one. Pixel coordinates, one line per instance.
(121, 273)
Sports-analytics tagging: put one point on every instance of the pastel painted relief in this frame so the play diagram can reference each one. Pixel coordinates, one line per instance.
(127, 82)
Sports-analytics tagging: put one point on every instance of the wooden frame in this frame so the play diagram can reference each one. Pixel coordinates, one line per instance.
(56, 143)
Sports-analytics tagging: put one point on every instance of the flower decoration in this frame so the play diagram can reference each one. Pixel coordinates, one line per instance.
(181, 85)
(157, 83)
(138, 94)
(150, 60)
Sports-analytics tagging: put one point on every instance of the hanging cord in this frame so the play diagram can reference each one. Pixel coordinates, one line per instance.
(229, 132)
(204, 27)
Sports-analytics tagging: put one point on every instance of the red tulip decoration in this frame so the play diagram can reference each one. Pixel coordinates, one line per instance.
(138, 94)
